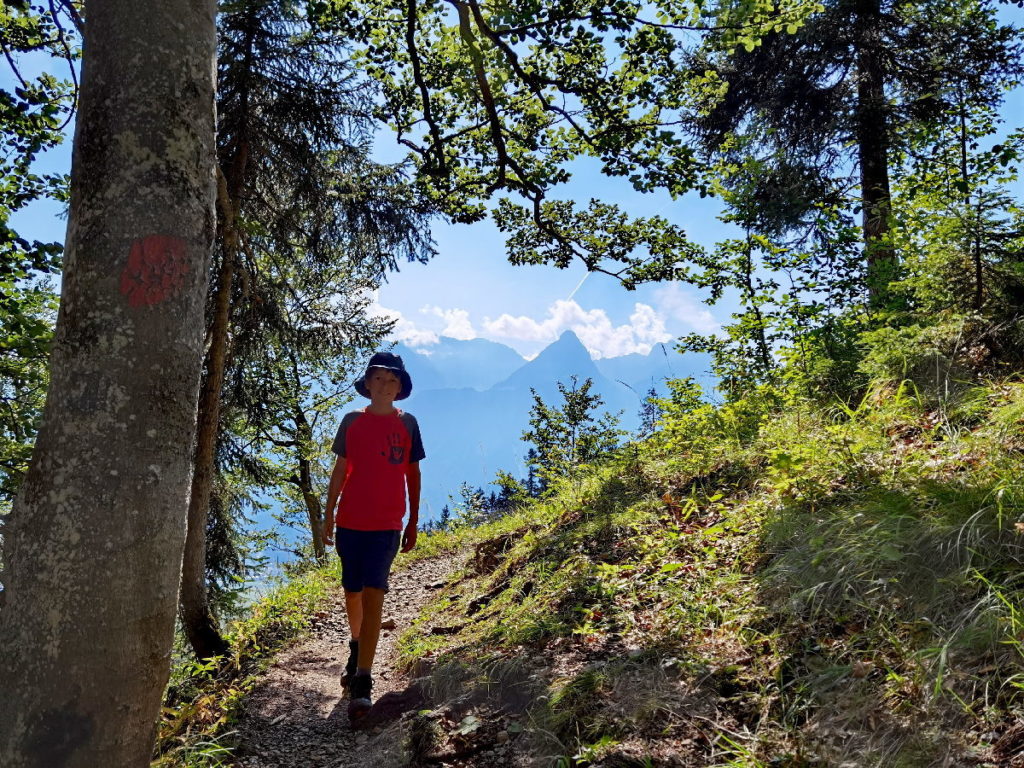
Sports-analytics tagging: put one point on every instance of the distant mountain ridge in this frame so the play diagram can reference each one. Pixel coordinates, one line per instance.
(457, 364)
(565, 355)
(472, 400)
(641, 372)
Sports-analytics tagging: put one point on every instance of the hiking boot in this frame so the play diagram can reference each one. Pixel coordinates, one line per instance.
(351, 664)
(359, 696)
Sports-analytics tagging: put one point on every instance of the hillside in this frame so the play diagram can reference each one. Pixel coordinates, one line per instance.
(764, 584)
(837, 590)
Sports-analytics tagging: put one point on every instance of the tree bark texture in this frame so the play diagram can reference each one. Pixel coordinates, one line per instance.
(94, 542)
(873, 149)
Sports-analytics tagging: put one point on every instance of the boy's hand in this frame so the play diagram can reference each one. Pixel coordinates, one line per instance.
(328, 534)
(409, 538)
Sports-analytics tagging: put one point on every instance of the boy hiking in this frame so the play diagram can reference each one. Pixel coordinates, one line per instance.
(379, 450)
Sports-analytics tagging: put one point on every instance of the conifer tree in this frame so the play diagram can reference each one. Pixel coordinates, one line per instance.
(650, 412)
(566, 437)
(803, 106)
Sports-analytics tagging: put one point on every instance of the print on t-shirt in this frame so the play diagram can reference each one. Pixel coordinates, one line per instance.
(396, 449)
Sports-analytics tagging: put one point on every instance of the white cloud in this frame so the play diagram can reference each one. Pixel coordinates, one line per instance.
(673, 313)
(684, 309)
(594, 328)
(405, 330)
(649, 326)
(457, 323)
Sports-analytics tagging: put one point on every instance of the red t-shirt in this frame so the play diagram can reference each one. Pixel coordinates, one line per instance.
(378, 450)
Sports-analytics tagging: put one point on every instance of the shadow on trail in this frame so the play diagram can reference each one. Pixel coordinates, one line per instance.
(387, 709)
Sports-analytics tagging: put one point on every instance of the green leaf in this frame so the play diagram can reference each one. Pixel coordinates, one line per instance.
(469, 724)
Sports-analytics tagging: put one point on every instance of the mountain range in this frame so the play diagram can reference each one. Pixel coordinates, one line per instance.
(472, 401)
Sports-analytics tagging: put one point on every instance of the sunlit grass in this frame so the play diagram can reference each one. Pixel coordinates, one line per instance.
(828, 567)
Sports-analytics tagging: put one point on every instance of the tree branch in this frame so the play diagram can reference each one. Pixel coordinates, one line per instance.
(466, 32)
(531, 82)
(417, 75)
(68, 57)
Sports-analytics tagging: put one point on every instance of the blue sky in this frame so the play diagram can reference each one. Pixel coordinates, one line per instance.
(471, 291)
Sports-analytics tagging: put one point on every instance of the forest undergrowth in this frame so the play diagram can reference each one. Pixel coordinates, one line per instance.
(757, 585)
(204, 698)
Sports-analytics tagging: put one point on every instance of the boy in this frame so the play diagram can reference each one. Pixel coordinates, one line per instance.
(379, 450)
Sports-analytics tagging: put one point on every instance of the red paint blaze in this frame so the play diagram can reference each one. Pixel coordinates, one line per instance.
(156, 269)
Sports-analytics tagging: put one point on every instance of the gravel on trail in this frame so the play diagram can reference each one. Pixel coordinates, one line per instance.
(296, 716)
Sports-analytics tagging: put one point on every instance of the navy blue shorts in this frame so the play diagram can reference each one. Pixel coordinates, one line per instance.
(366, 557)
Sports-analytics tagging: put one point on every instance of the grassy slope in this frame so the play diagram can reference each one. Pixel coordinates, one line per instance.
(834, 588)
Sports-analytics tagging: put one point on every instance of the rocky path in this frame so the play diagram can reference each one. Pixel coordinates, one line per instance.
(297, 716)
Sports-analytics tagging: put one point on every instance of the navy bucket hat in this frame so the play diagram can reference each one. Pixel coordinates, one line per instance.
(389, 362)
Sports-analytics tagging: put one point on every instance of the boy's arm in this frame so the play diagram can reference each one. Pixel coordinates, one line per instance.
(333, 492)
(412, 483)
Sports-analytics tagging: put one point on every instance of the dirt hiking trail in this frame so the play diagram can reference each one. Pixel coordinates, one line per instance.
(297, 717)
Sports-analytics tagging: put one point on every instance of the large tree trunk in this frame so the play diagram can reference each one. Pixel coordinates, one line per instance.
(93, 545)
(873, 150)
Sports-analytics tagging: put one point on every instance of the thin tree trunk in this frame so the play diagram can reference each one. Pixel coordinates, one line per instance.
(979, 263)
(304, 480)
(972, 230)
(873, 151)
(93, 544)
(313, 509)
(196, 617)
(763, 350)
(303, 440)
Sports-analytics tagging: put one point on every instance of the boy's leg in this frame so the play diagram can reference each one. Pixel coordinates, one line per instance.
(361, 683)
(354, 611)
(349, 551)
(382, 546)
(372, 607)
